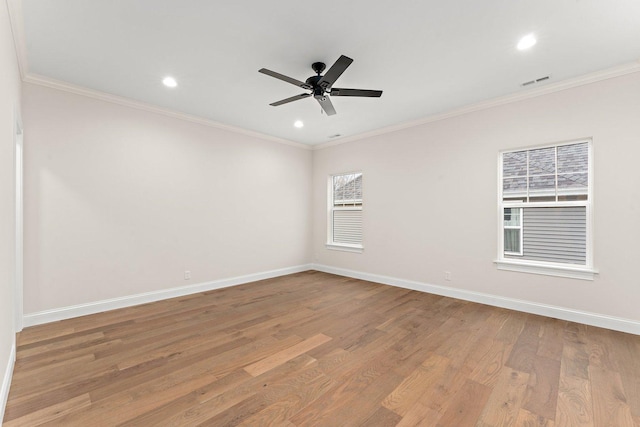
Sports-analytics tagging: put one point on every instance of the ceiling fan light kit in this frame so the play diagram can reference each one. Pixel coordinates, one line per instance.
(321, 87)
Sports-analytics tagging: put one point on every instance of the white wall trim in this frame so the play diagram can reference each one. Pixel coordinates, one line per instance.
(547, 270)
(63, 313)
(344, 248)
(593, 319)
(114, 99)
(18, 276)
(609, 73)
(6, 380)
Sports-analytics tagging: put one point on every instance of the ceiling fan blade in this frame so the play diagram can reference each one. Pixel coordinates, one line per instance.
(284, 78)
(335, 71)
(356, 92)
(293, 98)
(326, 105)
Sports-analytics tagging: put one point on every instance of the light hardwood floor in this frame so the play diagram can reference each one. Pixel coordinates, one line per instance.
(317, 349)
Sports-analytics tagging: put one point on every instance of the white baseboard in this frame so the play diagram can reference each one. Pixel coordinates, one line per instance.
(63, 313)
(593, 319)
(6, 380)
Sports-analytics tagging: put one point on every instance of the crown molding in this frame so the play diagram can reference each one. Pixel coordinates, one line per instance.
(16, 22)
(586, 79)
(102, 96)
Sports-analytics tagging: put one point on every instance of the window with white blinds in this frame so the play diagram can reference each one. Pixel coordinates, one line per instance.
(345, 212)
(545, 207)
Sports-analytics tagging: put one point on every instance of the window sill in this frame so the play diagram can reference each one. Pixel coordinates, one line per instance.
(345, 248)
(583, 273)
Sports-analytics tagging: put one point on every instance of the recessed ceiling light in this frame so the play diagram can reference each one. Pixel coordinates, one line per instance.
(526, 42)
(169, 82)
(298, 124)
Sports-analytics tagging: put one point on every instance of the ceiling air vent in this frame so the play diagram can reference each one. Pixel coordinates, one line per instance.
(538, 80)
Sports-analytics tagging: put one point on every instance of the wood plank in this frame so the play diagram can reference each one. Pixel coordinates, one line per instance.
(527, 419)
(49, 413)
(221, 396)
(223, 357)
(351, 391)
(61, 344)
(276, 384)
(360, 405)
(279, 412)
(420, 414)
(488, 369)
(627, 351)
(575, 407)
(575, 361)
(525, 348)
(439, 395)
(285, 355)
(505, 400)
(551, 343)
(467, 405)
(512, 327)
(600, 353)
(403, 397)
(147, 397)
(610, 407)
(382, 417)
(542, 391)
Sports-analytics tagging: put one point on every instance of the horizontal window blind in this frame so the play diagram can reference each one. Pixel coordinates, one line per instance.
(347, 226)
(555, 234)
(345, 210)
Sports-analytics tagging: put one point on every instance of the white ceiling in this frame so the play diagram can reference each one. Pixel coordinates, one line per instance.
(429, 56)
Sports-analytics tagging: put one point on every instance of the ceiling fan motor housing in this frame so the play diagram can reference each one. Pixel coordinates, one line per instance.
(318, 93)
(313, 80)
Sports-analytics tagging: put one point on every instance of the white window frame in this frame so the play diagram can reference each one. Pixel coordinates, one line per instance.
(331, 244)
(587, 271)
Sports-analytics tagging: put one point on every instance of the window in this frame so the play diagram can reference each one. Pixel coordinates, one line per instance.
(345, 212)
(513, 231)
(545, 210)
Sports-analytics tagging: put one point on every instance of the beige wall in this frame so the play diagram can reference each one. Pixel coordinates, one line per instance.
(430, 197)
(120, 201)
(9, 106)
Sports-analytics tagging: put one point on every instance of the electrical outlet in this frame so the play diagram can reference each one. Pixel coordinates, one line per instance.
(187, 275)
(447, 276)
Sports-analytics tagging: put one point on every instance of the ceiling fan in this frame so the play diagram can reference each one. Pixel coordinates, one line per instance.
(321, 87)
